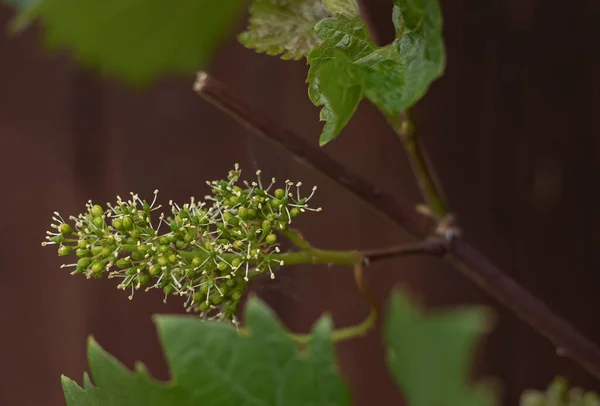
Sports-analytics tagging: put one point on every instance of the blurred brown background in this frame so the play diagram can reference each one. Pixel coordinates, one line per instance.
(512, 128)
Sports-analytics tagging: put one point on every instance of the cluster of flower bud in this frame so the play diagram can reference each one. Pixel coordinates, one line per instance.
(204, 251)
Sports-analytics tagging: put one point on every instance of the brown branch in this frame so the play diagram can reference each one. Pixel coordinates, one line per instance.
(433, 246)
(468, 260)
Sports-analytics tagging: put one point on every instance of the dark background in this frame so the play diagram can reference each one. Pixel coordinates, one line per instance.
(512, 128)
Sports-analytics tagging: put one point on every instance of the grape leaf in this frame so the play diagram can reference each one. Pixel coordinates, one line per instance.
(393, 77)
(348, 8)
(283, 27)
(429, 355)
(213, 364)
(138, 40)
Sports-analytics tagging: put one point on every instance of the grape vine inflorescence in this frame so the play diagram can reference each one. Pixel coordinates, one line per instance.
(207, 253)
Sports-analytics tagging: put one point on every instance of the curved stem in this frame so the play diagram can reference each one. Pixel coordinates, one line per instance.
(357, 330)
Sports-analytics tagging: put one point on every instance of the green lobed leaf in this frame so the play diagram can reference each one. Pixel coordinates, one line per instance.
(213, 364)
(429, 355)
(393, 77)
(284, 27)
(558, 393)
(138, 40)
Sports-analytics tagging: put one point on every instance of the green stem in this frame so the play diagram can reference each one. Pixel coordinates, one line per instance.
(421, 168)
(296, 239)
(312, 256)
(344, 333)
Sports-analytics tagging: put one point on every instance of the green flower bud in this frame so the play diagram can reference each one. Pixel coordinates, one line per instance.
(252, 213)
(97, 250)
(162, 261)
(106, 252)
(199, 297)
(243, 212)
(127, 223)
(294, 212)
(230, 282)
(123, 263)
(168, 289)
(236, 262)
(163, 249)
(82, 252)
(203, 289)
(98, 267)
(271, 239)
(64, 250)
(83, 263)
(117, 224)
(203, 307)
(137, 256)
(98, 222)
(222, 266)
(58, 239)
(196, 262)
(97, 210)
(64, 228)
(180, 244)
(275, 203)
(216, 299)
(279, 193)
(173, 258)
(155, 270)
(144, 279)
(236, 295)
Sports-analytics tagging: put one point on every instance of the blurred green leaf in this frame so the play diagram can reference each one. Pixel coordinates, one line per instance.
(139, 40)
(393, 77)
(430, 355)
(284, 27)
(213, 364)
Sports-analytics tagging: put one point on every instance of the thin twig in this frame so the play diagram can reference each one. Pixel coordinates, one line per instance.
(474, 265)
(423, 170)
